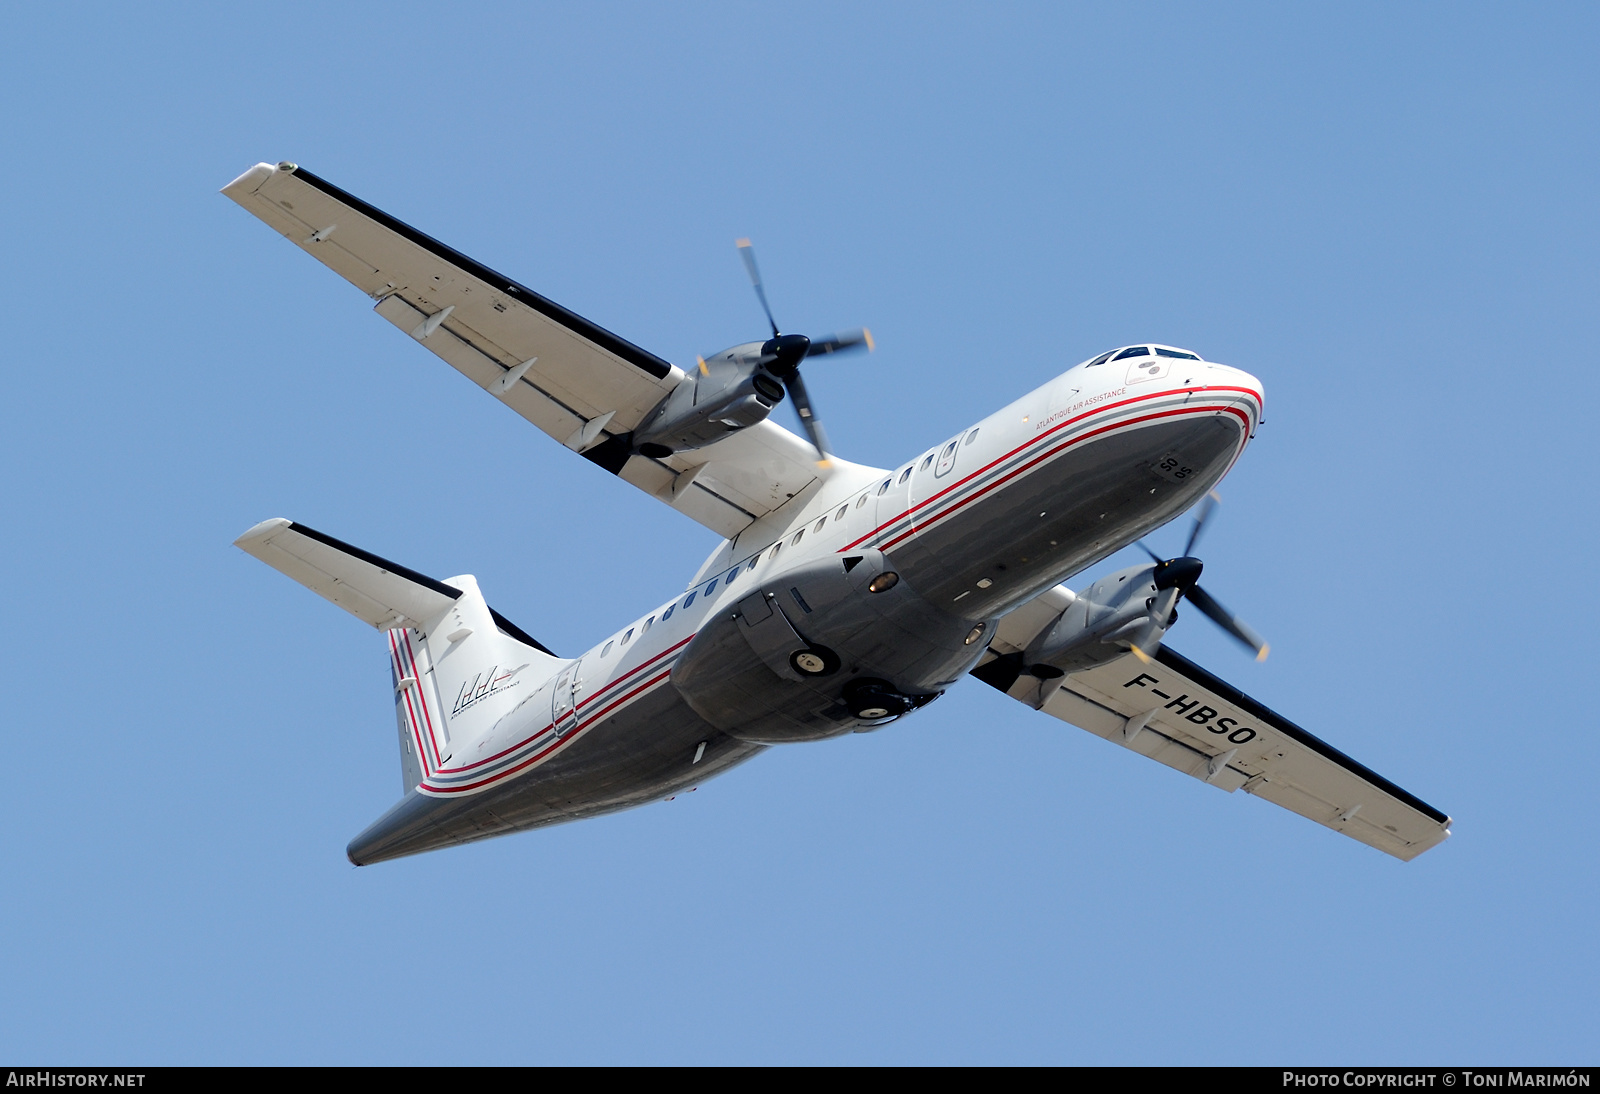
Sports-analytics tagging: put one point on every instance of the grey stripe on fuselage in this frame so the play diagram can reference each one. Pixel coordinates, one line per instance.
(1063, 515)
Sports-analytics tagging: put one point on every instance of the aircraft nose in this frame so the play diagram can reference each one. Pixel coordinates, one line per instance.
(1236, 376)
(1247, 391)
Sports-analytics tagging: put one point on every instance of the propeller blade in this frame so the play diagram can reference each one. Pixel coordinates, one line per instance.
(1160, 611)
(1153, 556)
(808, 418)
(841, 342)
(1206, 506)
(1227, 621)
(748, 253)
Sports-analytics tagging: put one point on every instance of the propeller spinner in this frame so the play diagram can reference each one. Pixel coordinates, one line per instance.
(782, 353)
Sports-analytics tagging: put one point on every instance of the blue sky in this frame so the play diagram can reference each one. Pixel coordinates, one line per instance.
(1385, 212)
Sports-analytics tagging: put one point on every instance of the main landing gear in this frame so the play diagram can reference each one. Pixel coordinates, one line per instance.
(867, 698)
(872, 700)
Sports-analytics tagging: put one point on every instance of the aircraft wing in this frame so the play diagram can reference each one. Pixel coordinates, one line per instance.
(573, 379)
(1177, 713)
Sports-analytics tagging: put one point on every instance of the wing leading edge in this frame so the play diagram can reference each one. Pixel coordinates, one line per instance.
(570, 377)
(1175, 712)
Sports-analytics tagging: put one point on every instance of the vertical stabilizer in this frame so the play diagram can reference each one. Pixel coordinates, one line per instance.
(458, 665)
(456, 678)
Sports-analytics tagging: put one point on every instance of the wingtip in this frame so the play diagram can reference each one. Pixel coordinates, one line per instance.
(249, 182)
(742, 242)
(871, 345)
(1262, 656)
(261, 531)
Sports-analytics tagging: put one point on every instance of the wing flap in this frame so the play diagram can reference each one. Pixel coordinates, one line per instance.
(1178, 714)
(1260, 750)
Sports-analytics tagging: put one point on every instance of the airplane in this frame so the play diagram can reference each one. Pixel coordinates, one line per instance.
(842, 597)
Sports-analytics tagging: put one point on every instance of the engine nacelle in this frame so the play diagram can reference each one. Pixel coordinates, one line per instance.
(726, 393)
(1100, 625)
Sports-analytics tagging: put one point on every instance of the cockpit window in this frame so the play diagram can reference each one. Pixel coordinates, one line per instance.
(1175, 353)
(1134, 351)
(1102, 359)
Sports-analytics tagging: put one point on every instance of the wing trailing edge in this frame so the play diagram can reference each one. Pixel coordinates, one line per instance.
(1171, 710)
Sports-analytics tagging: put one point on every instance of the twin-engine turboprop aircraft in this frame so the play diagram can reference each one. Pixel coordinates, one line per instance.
(842, 598)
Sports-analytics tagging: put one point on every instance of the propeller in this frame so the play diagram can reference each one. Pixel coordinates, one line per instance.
(782, 353)
(1178, 579)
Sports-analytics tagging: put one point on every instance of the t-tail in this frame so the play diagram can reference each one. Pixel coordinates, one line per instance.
(458, 665)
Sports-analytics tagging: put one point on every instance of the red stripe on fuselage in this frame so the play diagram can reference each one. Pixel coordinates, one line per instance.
(631, 672)
(536, 757)
(958, 484)
(1014, 472)
(535, 736)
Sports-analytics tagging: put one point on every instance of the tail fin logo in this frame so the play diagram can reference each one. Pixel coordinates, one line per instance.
(483, 685)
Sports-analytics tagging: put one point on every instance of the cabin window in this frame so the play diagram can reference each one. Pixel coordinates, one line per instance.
(843, 509)
(1102, 359)
(607, 651)
(753, 560)
(972, 436)
(927, 461)
(776, 547)
(627, 636)
(648, 623)
(820, 523)
(688, 600)
(862, 500)
(884, 489)
(733, 573)
(797, 537)
(904, 475)
(1175, 353)
(666, 615)
(1133, 351)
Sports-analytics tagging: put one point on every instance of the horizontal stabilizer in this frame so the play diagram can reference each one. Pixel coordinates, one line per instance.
(373, 589)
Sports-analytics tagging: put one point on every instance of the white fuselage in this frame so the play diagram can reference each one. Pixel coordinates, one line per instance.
(974, 526)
